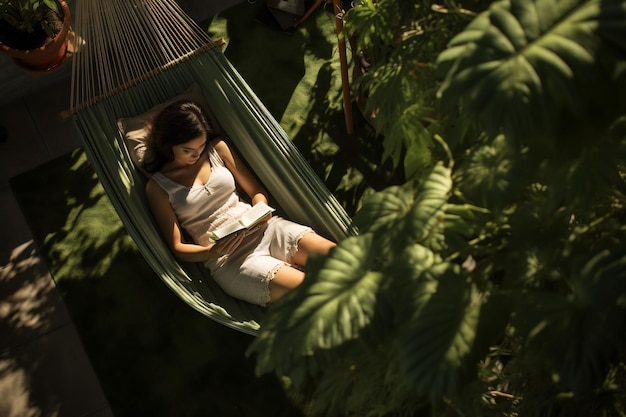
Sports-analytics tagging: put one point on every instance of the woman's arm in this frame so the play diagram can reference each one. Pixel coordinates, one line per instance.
(244, 178)
(171, 230)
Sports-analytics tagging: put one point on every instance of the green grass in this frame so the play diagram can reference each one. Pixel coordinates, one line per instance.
(297, 76)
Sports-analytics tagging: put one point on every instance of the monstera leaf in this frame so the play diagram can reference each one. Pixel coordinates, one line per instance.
(536, 67)
(437, 337)
(332, 306)
(580, 331)
(401, 215)
(430, 205)
(381, 211)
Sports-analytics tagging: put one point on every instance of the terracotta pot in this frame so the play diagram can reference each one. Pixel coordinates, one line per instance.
(48, 56)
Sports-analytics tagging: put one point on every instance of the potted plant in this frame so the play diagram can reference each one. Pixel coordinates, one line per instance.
(35, 32)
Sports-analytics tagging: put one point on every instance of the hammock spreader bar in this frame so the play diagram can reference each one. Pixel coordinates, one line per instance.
(115, 77)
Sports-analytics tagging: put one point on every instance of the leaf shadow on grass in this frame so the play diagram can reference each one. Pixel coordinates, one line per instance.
(343, 160)
(279, 68)
(30, 307)
(271, 61)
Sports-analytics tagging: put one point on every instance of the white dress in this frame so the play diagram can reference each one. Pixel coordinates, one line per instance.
(201, 209)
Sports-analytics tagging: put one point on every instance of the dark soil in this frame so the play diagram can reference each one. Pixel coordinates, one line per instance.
(17, 39)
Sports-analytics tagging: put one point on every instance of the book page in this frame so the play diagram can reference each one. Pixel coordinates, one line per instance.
(249, 219)
(226, 230)
(256, 213)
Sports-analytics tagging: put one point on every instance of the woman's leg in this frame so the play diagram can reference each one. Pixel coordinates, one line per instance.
(312, 243)
(286, 278)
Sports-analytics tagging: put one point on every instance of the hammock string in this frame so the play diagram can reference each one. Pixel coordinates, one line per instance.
(144, 38)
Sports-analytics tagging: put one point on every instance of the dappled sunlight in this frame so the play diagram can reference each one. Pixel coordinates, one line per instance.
(28, 285)
(29, 307)
(343, 161)
(14, 390)
(87, 228)
(306, 96)
(92, 232)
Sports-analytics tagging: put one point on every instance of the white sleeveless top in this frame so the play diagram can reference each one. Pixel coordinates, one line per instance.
(246, 272)
(201, 209)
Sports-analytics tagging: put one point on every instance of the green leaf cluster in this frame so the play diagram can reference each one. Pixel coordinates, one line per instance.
(518, 53)
(396, 44)
(29, 15)
(393, 272)
(492, 282)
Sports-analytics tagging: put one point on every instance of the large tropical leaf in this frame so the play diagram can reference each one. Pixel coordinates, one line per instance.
(491, 176)
(403, 109)
(409, 137)
(369, 26)
(401, 215)
(426, 217)
(437, 338)
(381, 211)
(528, 67)
(384, 214)
(398, 42)
(331, 307)
(581, 332)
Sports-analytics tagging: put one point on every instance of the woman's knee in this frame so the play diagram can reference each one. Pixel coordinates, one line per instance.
(286, 278)
(319, 244)
(312, 243)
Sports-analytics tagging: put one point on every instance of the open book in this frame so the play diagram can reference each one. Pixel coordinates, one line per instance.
(249, 219)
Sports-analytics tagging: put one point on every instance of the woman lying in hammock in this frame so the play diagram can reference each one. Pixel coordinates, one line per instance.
(193, 188)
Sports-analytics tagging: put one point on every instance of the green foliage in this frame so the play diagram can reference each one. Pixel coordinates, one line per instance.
(444, 306)
(399, 41)
(493, 283)
(29, 15)
(326, 312)
(502, 66)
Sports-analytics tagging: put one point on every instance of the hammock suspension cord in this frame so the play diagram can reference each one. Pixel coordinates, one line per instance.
(143, 38)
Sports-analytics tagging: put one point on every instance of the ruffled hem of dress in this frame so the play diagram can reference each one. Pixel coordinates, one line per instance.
(270, 276)
(293, 245)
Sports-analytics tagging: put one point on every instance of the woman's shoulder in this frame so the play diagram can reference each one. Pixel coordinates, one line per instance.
(152, 187)
(222, 148)
(153, 181)
(220, 151)
(218, 143)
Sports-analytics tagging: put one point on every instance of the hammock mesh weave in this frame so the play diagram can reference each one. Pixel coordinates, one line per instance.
(134, 54)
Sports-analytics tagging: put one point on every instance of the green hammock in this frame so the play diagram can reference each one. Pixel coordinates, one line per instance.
(115, 77)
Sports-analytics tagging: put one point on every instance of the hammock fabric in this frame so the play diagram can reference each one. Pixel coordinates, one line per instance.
(134, 54)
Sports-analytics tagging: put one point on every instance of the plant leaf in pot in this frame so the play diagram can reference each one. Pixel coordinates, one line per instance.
(34, 32)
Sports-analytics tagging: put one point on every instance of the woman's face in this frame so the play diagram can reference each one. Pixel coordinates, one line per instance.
(189, 153)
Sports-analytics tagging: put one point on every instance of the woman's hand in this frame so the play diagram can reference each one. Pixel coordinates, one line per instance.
(228, 244)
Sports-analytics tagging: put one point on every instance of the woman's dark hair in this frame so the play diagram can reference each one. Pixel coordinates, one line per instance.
(177, 123)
